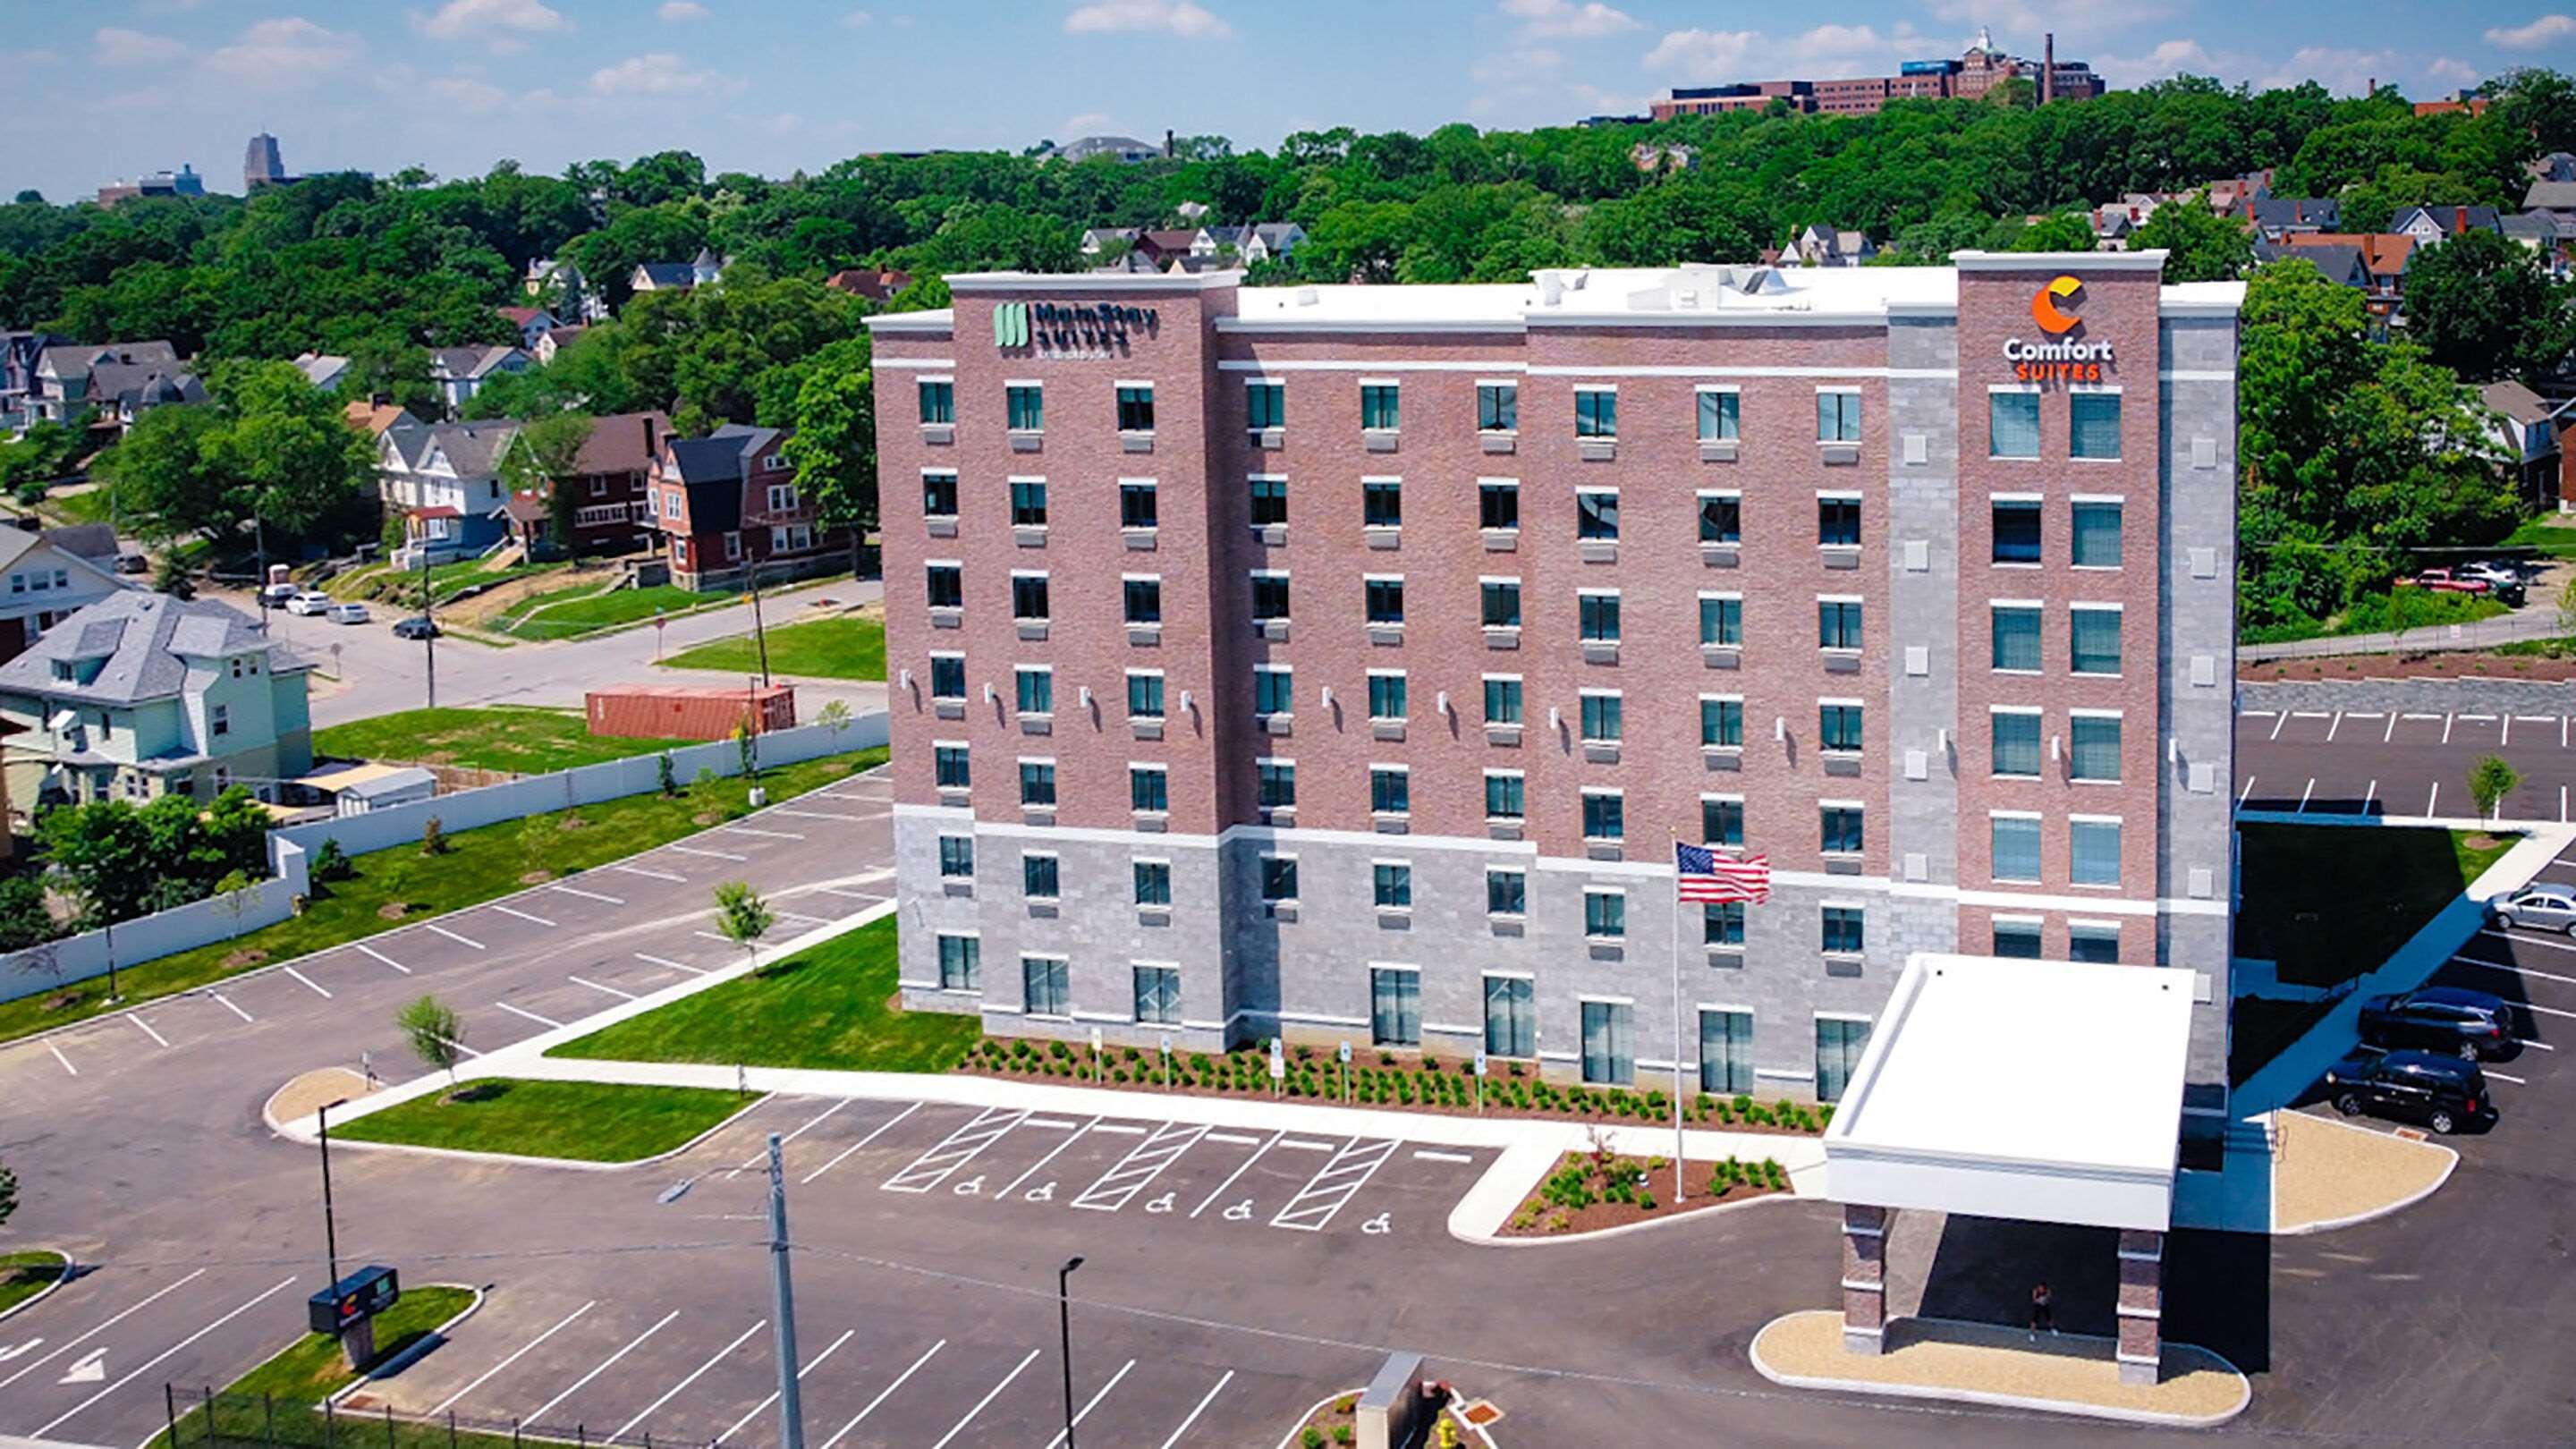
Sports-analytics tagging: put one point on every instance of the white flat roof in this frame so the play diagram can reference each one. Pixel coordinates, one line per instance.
(2043, 1090)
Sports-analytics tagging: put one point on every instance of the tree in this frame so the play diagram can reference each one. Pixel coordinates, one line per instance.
(538, 458)
(269, 446)
(8, 1192)
(24, 920)
(105, 850)
(2067, 231)
(834, 450)
(742, 917)
(436, 1034)
(2490, 780)
(2199, 244)
(2481, 306)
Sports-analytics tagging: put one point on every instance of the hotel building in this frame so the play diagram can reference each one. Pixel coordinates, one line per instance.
(1342, 663)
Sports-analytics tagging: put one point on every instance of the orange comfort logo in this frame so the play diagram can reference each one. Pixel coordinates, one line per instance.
(2063, 359)
(2045, 311)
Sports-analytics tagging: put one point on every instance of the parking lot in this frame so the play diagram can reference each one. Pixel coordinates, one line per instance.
(2413, 765)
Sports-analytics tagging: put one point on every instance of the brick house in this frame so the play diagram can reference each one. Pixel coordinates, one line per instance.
(612, 512)
(728, 504)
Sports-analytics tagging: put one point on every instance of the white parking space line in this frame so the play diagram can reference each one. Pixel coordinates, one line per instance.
(954, 1151)
(66, 1061)
(714, 936)
(853, 895)
(2389, 733)
(800, 916)
(586, 895)
(1334, 1185)
(2447, 721)
(2516, 970)
(227, 1003)
(1092, 1403)
(674, 965)
(2369, 795)
(763, 834)
(1231, 1139)
(2279, 720)
(308, 982)
(763, 1155)
(811, 1364)
(710, 854)
(451, 935)
(2429, 799)
(2491, 1074)
(530, 1015)
(381, 956)
(595, 986)
(995, 1393)
(1013, 1185)
(515, 1354)
(1120, 1129)
(855, 1146)
(694, 1375)
(2248, 790)
(1051, 1124)
(523, 915)
(2521, 940)
(652, 874)
(147, 1029)
(888, 1392)
(816, 814)
(1300, 1144)
(2304, 794)
(2338, 724)
(1238, 1172)
(604, 1365)
(2506, 737)
(2547, 1010)
(460, 1046)
(1137, 1170)
(1425, 1154)
(1201, 1409)
(149, 1364)
(2526, 1041)
(104, 1327)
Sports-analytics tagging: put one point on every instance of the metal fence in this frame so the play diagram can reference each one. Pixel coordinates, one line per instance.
(202, 1418)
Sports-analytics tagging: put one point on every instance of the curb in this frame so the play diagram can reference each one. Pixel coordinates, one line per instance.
(522, 1159)
(413, 1354)
(62, 1275)
(1621, 1229)
(2068, 1407)
(2325, 1225)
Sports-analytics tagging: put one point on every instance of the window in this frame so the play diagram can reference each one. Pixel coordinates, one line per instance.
(1718, 412)
(1038, 876)
(1395, 1006)
(1837, 417)
(2093, 424)
(1270, 597)
(2017, 937)
(1721, 621)
(1502, 603)
(961, 963)
(1135, 407)
(2016, 641)
(1390, 790)
(1602, 723)
(1721, 820)
(2015, 844)
(1025, 406)
(1503, 700)
(2094, 641)
(939, 495)
(1840, 829)
(1382, 502)
(1380, 409)
(1721, 518)
(1273, 689)
(1721, 723)
(1726, 1051)
(1596, 412)
(2097, 535)
(782, 496)
(1610, 1043)
(1511, 1016)
(1269, 502)
(1498, 407)
(1838, 727)
(1028, 503)
(791, 538)
(1278, 783)
(956, 857)
(1145, 695)
(220, 719)
(2016, 523)
(1839, 1044)
(946, 586)
(1158, 995)
(1391, 886)
(1842, 930)
(1265, 404)
(1036, 691)
(1599, 615)
(1386, 696)
(1838, 624)
(1722, 923)
(1506, 893)
(1037, 782)
(948, 767)
(1605, 915)
(1385, 601)
(1278, 878)
(2016, 742)
(1029, 597)
(2094, 849)
(1838, 522)
(1596, 514)
(1605, 815)
(1153, 882)
(1505, 795)
(1144, 600)
(1149, 789)
(1136, 505)
(2095, 943)
(1498, 505)
(1045, 986)
(938, 402)
(2093, 747)
(2012, 425)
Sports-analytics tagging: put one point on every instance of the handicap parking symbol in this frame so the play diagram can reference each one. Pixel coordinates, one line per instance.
(1043, 1193)
(1240, 1213)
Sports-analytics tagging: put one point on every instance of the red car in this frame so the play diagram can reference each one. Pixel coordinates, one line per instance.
(2444, 581)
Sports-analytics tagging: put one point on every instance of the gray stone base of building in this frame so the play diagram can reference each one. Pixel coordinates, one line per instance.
(2143, 1374)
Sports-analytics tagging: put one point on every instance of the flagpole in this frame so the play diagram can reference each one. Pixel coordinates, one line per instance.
(1679, 1190)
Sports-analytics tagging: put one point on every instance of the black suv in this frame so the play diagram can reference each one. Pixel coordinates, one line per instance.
(2444, 1093)
(2471, 1025)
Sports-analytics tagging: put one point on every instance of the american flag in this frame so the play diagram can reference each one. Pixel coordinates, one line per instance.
(1706, 875)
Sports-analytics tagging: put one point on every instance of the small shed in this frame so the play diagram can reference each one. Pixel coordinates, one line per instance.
(357, 789)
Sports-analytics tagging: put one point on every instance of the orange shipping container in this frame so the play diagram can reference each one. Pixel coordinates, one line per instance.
(687, 712)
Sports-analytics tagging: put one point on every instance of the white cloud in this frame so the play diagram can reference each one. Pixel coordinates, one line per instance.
(1184, 18)
(113, 45)
(659, 73)
(483, 19)
(1566, 20)
(2030, 19)
(2453, 71)
(466, 94)
(287, 51)
(1530, 84)
(2164, 61)
(1089, 123)
(2342, 70)
(2547, 30)
(857, 19)
(683, 10)
(1826, 51)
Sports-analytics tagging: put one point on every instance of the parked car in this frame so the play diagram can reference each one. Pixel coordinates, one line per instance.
(309, 601)
(2496, 571)
(2443, 1093)
(349, 613)
(2540, 907)
(418, 626)
(2449, 582)
(133, 563)
(2451, 1019)
(278, 594)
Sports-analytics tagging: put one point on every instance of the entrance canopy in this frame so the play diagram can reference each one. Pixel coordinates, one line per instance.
(2049, 1091)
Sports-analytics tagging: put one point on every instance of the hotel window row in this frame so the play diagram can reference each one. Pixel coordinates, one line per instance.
(1024, 405)
(1716, 413)
(2093, 423)
(2092, 849)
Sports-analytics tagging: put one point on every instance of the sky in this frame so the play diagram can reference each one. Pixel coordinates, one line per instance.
(101, 89)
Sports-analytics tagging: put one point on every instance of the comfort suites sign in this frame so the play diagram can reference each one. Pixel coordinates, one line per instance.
(2061, 355)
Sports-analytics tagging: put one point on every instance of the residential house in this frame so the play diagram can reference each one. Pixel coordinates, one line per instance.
(322, 369)
(123, 393)
(555, 340)
(532, 322)
(2383, 255)
(2227, 194)
(1127, 263)
(2543, 233)
(2527, 427)
(2469, 101)
(1259, 241)
(140, 695)
(2113, 226)
(728, 505)
(2428, 225)
(559, 287)
(2556, 197)
(1162, 244)
(68, 376)
(1126, 150)
(1824, 246)
(373, 418)
(877, 284)
(19, 354)
(704, 269)
(95, 542)
(460, 372)
(1098, 239)
(2339, 259)
(612, 510)
(2276, 217)
(45, 578)
(445, 481)
(1651, 157)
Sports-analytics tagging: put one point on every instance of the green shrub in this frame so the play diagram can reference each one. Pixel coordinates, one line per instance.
(1313, 1438)
(1386, 1059)
(1743, 1105)
(1134, 1055)
(1342, 1433)
(1199, 1062)
(1059, 1050)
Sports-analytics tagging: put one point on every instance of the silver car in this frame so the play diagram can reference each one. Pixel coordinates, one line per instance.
(2542, 908)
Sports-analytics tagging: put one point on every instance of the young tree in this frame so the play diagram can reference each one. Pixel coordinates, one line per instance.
(2199, 244)
(433, 837)
(105, 850)
(538, 458)
(436, 1034)
(742, 917)
(2490, 780)
(834, 449)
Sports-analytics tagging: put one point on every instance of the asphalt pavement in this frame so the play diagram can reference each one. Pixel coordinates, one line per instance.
(2402, 765)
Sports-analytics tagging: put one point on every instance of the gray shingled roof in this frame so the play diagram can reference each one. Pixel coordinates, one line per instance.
(669, 274)
(2550, 196)
(146, 639)
(472, 449)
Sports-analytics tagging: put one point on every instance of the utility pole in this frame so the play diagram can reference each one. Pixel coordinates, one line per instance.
(428, 636)
(1064, 1327)
(791, 1411)
(759, 635)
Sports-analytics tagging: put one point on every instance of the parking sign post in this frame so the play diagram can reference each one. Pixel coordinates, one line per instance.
(1345, 1055)
(1278, 1065)
(1099, 1069)
(1480, 1081)
(1167, 1061)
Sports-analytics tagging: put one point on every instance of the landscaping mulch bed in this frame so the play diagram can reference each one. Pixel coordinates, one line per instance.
(2444, 664)
(1589, 1191)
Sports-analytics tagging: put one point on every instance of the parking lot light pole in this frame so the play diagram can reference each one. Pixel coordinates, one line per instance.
(1064, 1329)
(791, 1408)
(330, 1226)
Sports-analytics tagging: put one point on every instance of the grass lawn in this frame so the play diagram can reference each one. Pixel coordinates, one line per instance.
(274, 1403)
(829, 1007)
(563, 613)
(2305, 910)
(90, 507)
(527, 740)
(2554, 534)
(24, 1275)
(401, 588)
(844, 648)
(479, 866)
(585, 1121)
